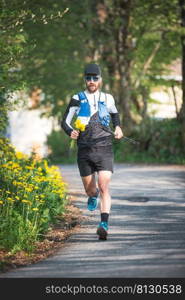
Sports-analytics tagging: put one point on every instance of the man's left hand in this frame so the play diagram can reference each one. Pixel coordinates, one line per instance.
(118, 133)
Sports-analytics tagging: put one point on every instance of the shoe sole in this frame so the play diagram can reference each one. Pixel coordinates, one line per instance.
(102, 233)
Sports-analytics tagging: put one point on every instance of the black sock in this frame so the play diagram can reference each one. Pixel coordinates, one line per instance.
(104, 217)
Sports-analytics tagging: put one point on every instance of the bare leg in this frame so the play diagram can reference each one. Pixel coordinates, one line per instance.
(104, 178)
(89, 183)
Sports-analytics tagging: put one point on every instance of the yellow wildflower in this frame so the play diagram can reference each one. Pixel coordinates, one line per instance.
(1, 202)
(26, 201)
(41, 201)
(29, 167)
(35, 209)
(10, 199)
(28, 189)
(4, 166)
(20, 155)
(17, 183)
(15, 166)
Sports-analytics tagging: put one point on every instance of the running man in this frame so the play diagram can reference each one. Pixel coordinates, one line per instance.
(94, 110)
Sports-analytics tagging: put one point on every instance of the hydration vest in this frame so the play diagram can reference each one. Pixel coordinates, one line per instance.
(85, 113)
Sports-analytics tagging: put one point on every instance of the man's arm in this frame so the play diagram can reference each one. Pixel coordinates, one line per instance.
(68, 116)
(118, 133)
(115, 119)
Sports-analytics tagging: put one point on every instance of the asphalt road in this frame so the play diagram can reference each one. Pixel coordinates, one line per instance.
(147, 229)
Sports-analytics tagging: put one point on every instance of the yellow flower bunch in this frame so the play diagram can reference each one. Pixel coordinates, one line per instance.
(79, 125)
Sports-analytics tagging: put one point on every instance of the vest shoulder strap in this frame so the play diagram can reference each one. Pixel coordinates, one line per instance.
(82, 96)
(106, 98)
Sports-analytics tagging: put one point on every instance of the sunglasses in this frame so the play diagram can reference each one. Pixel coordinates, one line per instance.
(92, 78)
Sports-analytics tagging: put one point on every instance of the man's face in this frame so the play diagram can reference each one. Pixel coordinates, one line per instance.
(93, 82)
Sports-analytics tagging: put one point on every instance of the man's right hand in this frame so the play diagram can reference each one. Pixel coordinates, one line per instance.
(74, 134)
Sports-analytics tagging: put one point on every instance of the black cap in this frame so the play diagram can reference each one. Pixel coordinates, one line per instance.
(92, 69)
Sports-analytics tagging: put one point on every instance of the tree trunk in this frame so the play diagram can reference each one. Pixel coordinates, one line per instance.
(114, 21)
(182, 112)
(175, 101)
(123, 48)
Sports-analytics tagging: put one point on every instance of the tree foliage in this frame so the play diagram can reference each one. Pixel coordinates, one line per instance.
(136, 41)
(18, 59)
(46, 44)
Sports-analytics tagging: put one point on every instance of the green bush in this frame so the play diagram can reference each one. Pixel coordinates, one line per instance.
(32, 194)
(60, 147)
(160, 142)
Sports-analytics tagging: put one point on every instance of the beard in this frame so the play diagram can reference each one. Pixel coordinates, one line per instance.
(92, 88)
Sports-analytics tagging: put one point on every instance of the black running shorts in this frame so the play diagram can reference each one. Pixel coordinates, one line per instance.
(94, 159)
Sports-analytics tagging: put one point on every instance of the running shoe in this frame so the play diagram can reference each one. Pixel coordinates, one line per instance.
(102, 230)
(92, 202)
